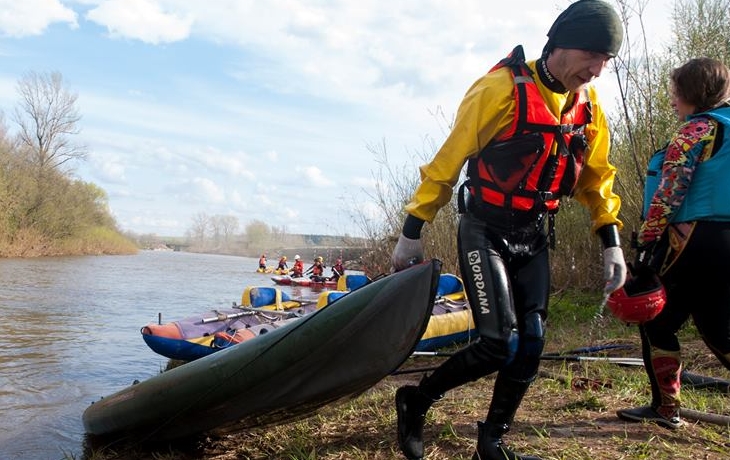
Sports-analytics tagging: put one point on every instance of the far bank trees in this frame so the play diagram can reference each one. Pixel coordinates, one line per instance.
(44, 209)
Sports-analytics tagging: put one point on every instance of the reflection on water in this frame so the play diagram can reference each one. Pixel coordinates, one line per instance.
(72, 335)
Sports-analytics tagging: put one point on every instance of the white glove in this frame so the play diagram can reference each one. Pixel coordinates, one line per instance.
(406, 252)
(614, 269)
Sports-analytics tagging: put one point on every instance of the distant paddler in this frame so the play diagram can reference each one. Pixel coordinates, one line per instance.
(282, 268)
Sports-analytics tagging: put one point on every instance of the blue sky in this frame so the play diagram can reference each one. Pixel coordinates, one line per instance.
(264, 110)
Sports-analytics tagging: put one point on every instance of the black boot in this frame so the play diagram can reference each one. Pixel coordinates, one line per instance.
(491, 447)
(411, 405)
(506, 398)
(412, 402)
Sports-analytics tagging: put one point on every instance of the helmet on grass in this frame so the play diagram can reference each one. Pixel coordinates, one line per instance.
(640, 300)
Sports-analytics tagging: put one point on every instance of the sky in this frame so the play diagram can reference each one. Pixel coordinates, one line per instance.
(276, 111)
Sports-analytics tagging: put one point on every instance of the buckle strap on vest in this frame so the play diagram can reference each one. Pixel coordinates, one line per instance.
(551, 229)
(461, 197)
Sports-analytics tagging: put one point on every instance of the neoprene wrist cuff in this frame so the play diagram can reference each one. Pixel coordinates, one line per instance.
(412, 227)
(609, 235)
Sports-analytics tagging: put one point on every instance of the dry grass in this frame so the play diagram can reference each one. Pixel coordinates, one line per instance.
(92, 241)
(556, 421)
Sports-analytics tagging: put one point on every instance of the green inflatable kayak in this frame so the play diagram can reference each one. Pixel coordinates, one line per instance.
(333, 354)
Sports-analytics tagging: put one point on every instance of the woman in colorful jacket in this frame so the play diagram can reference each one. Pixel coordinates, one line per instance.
(529, 132)
(685, 234)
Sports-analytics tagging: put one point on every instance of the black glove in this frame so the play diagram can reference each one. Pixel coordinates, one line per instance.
(644, 255)
(643, 279)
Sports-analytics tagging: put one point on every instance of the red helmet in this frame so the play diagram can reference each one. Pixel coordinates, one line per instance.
(639, 300)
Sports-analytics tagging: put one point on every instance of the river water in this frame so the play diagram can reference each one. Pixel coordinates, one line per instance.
(72, 334)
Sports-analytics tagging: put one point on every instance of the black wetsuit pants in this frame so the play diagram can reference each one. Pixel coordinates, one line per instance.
(697, 285)
(507, 281)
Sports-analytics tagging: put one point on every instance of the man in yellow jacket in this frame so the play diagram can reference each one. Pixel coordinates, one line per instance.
(529, 133)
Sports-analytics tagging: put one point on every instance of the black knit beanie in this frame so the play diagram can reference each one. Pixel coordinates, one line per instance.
(590, 25)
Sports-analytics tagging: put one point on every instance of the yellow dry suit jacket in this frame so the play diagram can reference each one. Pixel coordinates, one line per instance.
(486, 112)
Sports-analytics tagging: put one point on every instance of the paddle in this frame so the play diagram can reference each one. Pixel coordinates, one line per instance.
(688, 378)
(445, 300)
(593, 349)
(251, 311)
(577, 358)
(608, 359)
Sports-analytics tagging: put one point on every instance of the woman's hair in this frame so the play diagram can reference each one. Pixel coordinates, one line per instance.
(702, 82)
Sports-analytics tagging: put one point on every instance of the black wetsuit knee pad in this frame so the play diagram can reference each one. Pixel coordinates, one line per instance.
(532, 341)
(497, 352)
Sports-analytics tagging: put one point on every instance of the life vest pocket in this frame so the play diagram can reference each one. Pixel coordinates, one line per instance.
(509, 162)
(573, 164)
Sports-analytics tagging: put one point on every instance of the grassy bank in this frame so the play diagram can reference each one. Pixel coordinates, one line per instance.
(91, 241)
(568, 414)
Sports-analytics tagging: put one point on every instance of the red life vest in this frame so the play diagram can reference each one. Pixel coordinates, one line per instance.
(516, 171)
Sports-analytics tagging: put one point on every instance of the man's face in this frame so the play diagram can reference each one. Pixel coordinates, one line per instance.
(575, 68)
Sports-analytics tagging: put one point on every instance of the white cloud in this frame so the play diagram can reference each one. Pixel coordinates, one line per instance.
(263, 200)
(154, 224)
(291, 214)
(314, 176)
(229, 163)
(206, 190)
(272, 155)
(363, 182)
(32, 17)
(358, 51)
(111, 168)
(144, 20)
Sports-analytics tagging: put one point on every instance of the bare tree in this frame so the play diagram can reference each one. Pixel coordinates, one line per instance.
(48, 118)
(215, 230)
(393, 188)
(199, 228)
(228, 227)
(702, 29)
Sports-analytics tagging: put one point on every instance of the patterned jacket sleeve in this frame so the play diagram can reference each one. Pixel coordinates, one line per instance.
(684, 153)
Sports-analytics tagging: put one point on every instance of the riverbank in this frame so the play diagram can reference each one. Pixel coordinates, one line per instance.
(95, 241)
